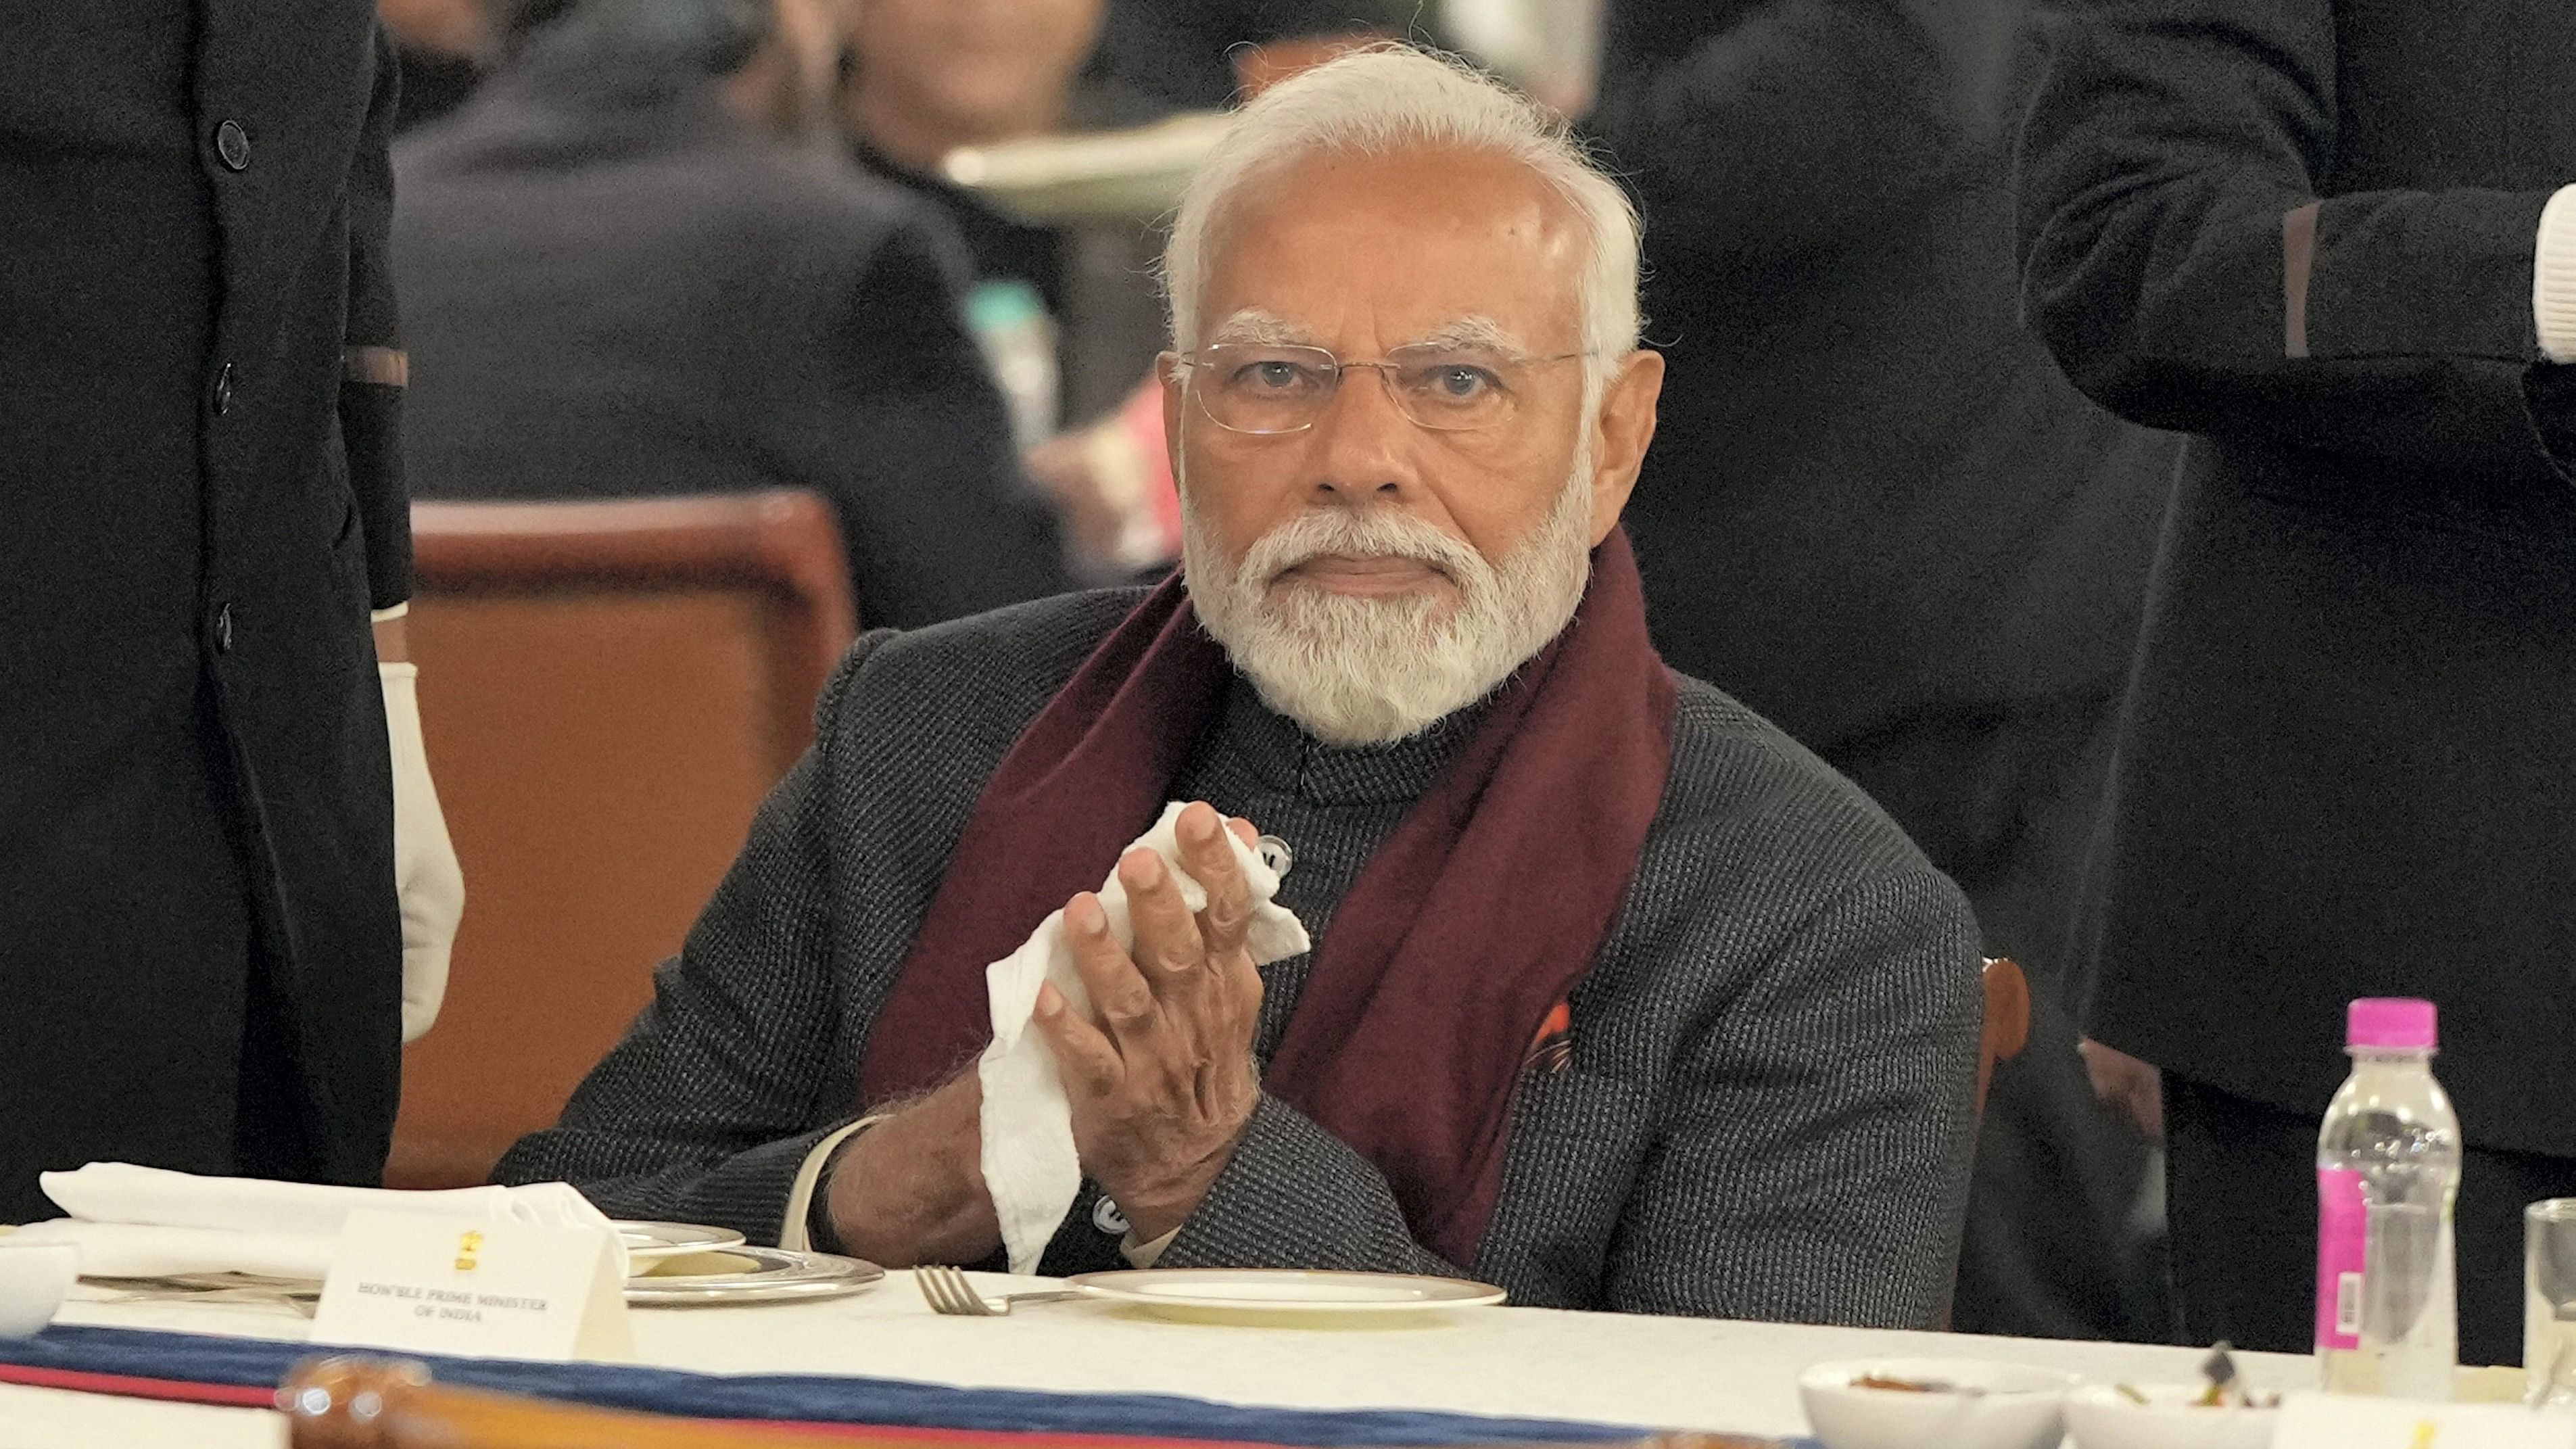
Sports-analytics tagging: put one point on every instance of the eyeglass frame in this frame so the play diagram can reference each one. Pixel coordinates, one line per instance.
(1384, 367)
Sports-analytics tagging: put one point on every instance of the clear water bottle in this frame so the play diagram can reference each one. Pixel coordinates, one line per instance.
(2388, 1172)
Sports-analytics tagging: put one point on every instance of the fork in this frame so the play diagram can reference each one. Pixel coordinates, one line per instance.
(949, 1292)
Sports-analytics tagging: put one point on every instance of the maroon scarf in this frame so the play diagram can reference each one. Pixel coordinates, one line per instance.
(1460, 936)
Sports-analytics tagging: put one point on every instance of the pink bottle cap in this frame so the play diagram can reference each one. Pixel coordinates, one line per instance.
(2398, 1022)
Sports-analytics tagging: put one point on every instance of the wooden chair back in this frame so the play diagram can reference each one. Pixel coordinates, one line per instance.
(607, 691)
(2007, 1028)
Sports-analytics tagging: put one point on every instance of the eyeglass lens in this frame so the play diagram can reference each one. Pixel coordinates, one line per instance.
(1258, 388)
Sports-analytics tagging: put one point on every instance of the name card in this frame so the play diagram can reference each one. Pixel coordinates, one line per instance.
(433, 1284)
(2347, 1421)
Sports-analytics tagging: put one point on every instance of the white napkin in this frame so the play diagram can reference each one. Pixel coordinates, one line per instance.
(148, 1222)
(139, 1250)
(1029, 1160)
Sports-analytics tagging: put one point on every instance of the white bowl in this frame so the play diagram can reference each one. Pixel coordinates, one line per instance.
(2101, 1417)
(34, 1278)
(2012, 1406)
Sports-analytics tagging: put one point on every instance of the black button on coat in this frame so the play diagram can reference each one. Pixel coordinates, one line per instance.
(199, 943)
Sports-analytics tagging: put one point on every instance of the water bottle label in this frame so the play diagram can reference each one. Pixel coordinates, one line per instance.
(2343, 1244)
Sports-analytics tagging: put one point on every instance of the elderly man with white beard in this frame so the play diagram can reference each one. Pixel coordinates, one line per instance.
(1616, 998)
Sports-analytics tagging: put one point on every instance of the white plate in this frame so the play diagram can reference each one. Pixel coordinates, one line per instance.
(744, 1274)
(648, 1243)
(1231, 1293)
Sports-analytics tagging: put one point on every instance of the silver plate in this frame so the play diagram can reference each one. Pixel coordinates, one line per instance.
(777, 1274)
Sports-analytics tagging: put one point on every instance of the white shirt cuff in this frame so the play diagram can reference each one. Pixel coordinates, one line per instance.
(2553, 278)
(389, 613)
(800, 1199)
(1145, 1255)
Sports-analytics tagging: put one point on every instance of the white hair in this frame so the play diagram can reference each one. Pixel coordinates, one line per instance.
(1394, 97)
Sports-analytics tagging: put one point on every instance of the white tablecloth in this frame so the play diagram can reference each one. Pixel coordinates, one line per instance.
(1675, 1373)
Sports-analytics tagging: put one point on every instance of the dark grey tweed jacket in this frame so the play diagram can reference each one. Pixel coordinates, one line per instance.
(1766, 1115)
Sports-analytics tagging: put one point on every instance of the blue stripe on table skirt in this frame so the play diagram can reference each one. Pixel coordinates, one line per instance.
(210, 1359)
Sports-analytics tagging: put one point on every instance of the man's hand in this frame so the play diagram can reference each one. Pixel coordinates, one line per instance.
(2136, 1088)
(911, 1188)
(1163, 1087)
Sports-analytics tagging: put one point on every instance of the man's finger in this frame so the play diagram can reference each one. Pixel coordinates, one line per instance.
(1084, 1058)
(1125, 1004)
(1209, 858)
(1168, 948)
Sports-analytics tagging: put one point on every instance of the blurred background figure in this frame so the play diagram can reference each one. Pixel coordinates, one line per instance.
(1874, 512)
(926, 77)
(631, 267)
(1067, 307)
(442, 49)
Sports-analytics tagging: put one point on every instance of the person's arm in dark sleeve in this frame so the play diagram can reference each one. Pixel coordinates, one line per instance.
(1780, 128)
(916, 445)
(1812, 1162)
(2178, 261)
(1295, 1196)
(373, 369)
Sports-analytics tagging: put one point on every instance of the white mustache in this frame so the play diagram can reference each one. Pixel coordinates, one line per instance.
(1362, 535)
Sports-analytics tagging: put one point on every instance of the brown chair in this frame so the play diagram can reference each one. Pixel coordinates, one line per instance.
(2007, 1028)
(373, 1403)
(607, 690)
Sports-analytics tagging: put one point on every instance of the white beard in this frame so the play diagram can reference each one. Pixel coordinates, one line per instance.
(1371, 671)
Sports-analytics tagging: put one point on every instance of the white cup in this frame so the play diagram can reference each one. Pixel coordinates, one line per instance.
(34, 1280)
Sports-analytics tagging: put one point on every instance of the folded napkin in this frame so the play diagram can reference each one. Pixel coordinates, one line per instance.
(147, 1222)
(139, 1250)
(1029, 1160)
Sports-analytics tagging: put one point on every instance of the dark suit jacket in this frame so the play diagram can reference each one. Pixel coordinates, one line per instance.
(1766, 1112)
(198, 504)
(2303, 230)
(1870, 496)
(617, 289)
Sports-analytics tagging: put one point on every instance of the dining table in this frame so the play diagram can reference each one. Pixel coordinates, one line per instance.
(1503, 1363)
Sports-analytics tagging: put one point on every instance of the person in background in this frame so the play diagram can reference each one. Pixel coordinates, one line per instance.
(226, 893)
(2336, 243)
(625, 282)
(1067, 310)
(442, 48)
(926, 77)
(1876, 511)
(1617, 998)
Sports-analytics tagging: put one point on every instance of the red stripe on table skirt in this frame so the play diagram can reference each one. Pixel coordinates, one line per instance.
(245, 1396)
(129, 1387)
